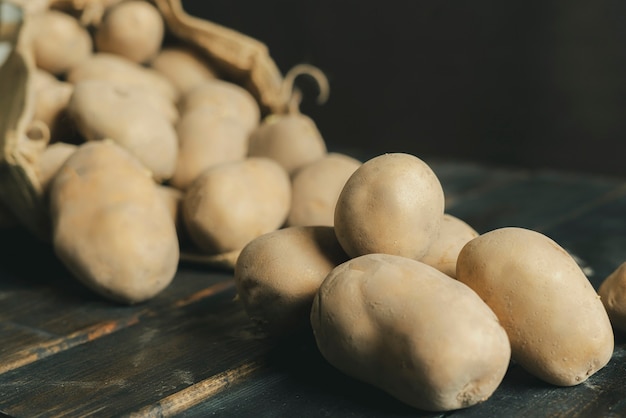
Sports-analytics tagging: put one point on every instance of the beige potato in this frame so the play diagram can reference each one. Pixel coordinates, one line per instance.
(51, 100)
(443, 253)
(132, 29)
(278, 296)
(392, 204)
(230, 204)
(114, 68)
(111, 227)
(206, 138)
(405, 327)
(229, 99)
(51, 160)
(612, 293)
(315, 189)
(59, 42)
(184, 67)
(102, 109)
(292, 140)
(558, 328)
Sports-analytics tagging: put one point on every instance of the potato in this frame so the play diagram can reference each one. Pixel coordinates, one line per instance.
(316, 187)
(59, 42)
(133, 29)
(612, 293)
(558, 328)
(51, 160)
(102, 109)
(444, 251)
(114, 68)
(292, 140)
(111, 227)
(277, 296)
(405, 327)
(206, 138)
(229, 99)
(51, 100)
(392, 204)
(230, 204)
(184, 67)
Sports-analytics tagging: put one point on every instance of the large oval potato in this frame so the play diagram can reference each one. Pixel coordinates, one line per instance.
(558, 328)
(409, 329)
(392, 204)
(278, 296)
(111, 227)
(612, 292)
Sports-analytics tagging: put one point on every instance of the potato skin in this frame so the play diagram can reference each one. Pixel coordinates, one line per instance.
(409, 329)
(111, 228)
(612, 292)
(184, 67)
(277, 296)
(558, 328)
(392, 204)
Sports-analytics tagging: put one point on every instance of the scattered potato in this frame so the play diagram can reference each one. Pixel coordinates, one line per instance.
(613, 295)
(392, 204)
(184, 67)
(132, 29)
(316, 188)
(410, 330)
(444, 251)
(277, 296)
(230, 204)
(206, 138)
(292, 140)
(110, 225)
(229, 99)
(59, 42)
(558, 327)
(102, 109)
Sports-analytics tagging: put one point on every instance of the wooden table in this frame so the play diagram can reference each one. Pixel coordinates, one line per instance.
(191, 351)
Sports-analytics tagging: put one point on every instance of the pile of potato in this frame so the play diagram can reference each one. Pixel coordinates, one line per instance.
(144, 149)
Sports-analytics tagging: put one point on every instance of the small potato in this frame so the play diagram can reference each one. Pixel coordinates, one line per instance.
(206, 138)
(51, 100)
(59, 42)
(292, 140)
(133, 29)
(229, 99)
(184, 67)
(102, 109)
(392, 204)
(51, 160)
(111, 227)
(316, 187)
(405, 327)
(277, 296)
(613, 295)
(444, 251)
(230, 204)
(117, 69)
(558, 327)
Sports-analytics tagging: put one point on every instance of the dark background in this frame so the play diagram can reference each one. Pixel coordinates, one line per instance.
(537, 84)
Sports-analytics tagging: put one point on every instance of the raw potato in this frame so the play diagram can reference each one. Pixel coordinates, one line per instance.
(412, 331)
(132, 29)
(444, 251)
(292, 140)
(114, 68)
(229, 99)
(613, 295)
(315, 189)
(51, 160)
(230, 204)
(184, 67)
(558, 327)
(392, 204)
(278, 296)
(101, 109)
(51, 100)
(206, 138)
(59, 42)
(110, 225)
